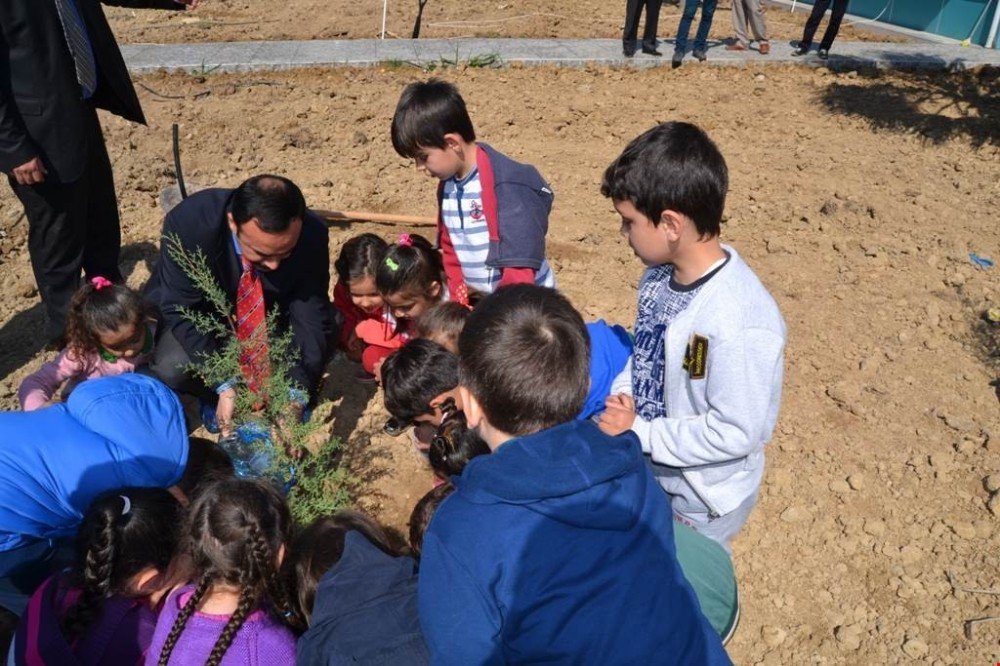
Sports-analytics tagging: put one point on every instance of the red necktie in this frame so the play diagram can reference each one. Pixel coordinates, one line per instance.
(251, 328)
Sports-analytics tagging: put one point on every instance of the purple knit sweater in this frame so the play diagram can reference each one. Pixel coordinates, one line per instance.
(261, 641)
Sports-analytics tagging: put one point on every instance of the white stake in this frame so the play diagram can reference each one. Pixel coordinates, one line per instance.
(385, 10)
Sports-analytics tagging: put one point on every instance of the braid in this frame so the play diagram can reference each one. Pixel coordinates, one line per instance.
(248, 601)
(97, 570)
(274, 586)
(182, 618)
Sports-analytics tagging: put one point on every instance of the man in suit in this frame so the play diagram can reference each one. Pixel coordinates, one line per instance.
(633, 10)
(59, 62)
(265, 249)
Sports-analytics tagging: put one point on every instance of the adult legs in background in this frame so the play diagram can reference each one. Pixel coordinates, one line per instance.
(633, 10)
(812, 23)
(839, 9)
(749, 13)
(652, 19)
(684, 27)
(72, 227)
(707, 13)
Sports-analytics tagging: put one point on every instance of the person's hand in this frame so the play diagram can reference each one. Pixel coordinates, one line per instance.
(618, 416)
(224, 411)
(31, 172)
(355, 347)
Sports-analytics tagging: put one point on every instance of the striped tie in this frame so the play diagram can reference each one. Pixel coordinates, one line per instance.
(79, 45)
(251, 329)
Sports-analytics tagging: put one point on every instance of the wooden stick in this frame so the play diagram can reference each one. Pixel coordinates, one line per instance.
(393, 218)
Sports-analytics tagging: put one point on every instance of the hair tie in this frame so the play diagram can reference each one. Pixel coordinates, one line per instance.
(391, 263)
(405, 240)
(128, 504)
(101, 282)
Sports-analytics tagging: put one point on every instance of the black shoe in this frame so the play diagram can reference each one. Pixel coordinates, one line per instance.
(823, 54)
(649, 50)
(800, 51)
(699, 55)
(675, 62)
(629, 52)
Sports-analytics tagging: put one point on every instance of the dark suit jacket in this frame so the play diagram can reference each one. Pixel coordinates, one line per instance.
(42, 110)
(299, 287)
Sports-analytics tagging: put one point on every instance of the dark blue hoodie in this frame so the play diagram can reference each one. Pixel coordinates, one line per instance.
(365, 611)
(559, 548)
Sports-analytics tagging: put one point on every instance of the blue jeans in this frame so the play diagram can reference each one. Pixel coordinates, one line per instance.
(701, 38)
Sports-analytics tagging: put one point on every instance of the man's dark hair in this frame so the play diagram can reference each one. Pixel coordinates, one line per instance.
(415, 375)
(673, 166)
(206, 462)
(525, 357)
(274, 200)
(427, 110)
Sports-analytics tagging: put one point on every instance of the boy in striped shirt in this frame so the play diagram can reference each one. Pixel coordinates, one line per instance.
(493, 212)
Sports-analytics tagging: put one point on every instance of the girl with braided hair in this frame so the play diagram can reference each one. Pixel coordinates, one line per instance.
(238, 612)
(102, 610)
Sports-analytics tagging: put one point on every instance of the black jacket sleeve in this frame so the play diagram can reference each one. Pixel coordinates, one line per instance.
(16, 147)
(178, 291)
(309, 309)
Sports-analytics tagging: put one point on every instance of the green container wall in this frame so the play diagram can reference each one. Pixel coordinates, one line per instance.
(948, 18)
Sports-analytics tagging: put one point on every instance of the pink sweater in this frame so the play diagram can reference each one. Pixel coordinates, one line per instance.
(39, 388)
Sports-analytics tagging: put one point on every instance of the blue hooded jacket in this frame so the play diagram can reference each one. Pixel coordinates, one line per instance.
(126, 430)
(365, 611)
(559, 548)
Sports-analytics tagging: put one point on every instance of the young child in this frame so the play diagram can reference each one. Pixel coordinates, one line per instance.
(443, 324)
(493, 213)
(365, 607)
(703, 386)
(410, 279)
(108, 332)
(557, 546)
(418, 380)
(422, 513)
(355, 295)
(237, 531)
(102, 611)
(454, 444)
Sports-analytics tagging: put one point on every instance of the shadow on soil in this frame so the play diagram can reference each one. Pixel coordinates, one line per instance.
(951, 102)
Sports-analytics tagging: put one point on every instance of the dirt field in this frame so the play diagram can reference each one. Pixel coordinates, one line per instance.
(238, 20)
(857, 200)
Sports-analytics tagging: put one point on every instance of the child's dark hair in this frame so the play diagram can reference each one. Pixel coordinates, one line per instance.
(320, 545)
(359, 257)
(101, 307)
(454, 445)
(274, 201)
(207, 462)
(443, 322)
(415, 375)
(411, 265)
(123, 532)
(525, 357)
(235, 530)
(427, 110)
(422, 513)
(674, 166)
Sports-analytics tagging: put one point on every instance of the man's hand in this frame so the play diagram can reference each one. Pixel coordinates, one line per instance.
(31, 172)
(618, 416)
(224, 411)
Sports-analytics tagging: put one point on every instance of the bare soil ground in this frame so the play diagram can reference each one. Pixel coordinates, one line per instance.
(240, 20)
(856, 197)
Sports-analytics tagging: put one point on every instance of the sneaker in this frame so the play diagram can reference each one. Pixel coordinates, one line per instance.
(394, 427)
(699, 55)
(675, 62)
(823, 54)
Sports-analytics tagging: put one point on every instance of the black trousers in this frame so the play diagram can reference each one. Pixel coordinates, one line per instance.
(819, 8)
(72, 227)
(633, 10)
(169, 365)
